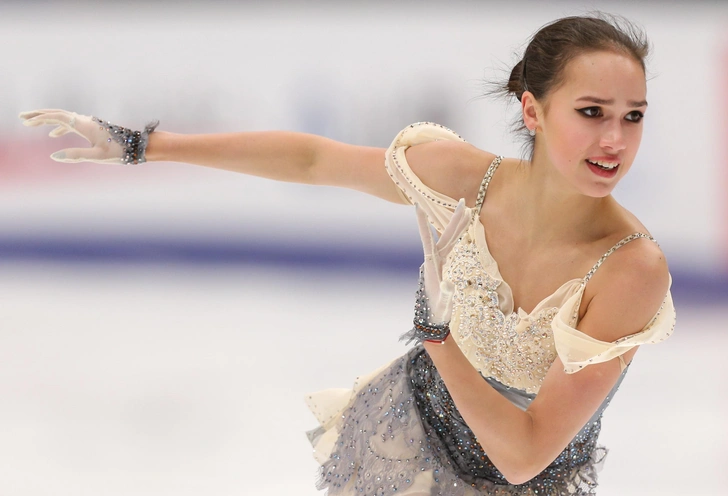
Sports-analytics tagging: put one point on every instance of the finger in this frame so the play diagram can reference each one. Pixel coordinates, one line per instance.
(64, 129)
(41, 111)
(30, 114)
(458, 222)
(452, 225)
(52, 118)
(425, 231)
(59, 131)
(75, 155)
(444, 246)
(462, 217)
(35, 113)
(41, 120)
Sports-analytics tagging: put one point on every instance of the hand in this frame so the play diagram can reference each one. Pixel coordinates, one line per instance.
(109, 144)
(433, 304)
(439, 292)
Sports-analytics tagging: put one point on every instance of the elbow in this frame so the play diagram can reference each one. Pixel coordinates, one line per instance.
(310, 171)
(516, 476)
(521, 461)
(313, 169)
(520, 470)
(519, 473)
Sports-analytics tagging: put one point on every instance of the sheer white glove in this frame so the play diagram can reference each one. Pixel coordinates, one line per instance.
(439, 291)
(433, 306)
(110, 144)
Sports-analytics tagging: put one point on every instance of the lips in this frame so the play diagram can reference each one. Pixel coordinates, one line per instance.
(602, 171)
(604, 164)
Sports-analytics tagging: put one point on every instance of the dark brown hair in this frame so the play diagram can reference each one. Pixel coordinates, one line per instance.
(541, 70)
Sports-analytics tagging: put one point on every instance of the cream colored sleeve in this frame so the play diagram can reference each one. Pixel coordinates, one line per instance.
(578, 350)
(438, 207)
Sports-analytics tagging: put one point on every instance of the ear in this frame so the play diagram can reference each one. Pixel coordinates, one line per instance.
(531, 110)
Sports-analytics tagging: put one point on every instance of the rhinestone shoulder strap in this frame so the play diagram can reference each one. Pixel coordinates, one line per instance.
(484, 184)
(621, 243)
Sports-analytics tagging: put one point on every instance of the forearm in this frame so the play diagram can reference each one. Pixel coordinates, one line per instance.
(279, 155)
(505, 432)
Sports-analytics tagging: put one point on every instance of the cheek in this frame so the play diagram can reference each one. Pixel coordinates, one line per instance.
(572, 140)
(632, 138)
(635, 137)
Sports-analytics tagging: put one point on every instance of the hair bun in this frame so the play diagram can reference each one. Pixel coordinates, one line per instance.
(515, 81)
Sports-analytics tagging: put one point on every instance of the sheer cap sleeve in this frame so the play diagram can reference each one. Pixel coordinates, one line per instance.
(577, 350)
(438, 207)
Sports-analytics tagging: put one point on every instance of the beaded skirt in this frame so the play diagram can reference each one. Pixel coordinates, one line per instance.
(402, 434)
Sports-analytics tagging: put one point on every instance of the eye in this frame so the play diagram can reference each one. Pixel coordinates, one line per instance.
(635, 116)
(591, 111)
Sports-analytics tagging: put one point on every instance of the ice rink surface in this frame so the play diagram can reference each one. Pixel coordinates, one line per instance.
(184, 380)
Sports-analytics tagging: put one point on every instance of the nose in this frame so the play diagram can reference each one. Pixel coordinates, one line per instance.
(613, 136)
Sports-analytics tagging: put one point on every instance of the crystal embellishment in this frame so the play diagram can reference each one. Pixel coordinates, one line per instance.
(134, 143)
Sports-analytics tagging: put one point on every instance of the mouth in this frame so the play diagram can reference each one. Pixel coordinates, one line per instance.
(603, 168)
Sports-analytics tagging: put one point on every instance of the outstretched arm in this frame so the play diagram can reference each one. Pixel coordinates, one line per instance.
(283, 156)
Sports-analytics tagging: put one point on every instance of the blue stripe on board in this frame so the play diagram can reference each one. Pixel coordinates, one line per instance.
(200, 252)
(687, 286)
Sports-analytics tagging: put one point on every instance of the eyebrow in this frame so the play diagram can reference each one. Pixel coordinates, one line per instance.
(602, 101)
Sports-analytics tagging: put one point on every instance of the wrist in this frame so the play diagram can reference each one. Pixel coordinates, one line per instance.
(133, 143)
(440, 347)
(158, 146)
(426, 327)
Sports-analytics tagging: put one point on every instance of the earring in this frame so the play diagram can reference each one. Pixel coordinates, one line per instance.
(532, 132)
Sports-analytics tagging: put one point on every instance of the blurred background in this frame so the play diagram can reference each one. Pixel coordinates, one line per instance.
(162, 323)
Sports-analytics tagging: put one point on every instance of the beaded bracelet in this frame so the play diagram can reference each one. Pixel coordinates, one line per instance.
(432, 333)
(134, 143)
(424, 329)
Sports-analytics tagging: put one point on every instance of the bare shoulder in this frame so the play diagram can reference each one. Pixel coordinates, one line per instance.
(626, 291)
(639, 259)
(640, 264)
(453, 168)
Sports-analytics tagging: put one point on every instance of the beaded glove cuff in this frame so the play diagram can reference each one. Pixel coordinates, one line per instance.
(134, 143)
(423, 329)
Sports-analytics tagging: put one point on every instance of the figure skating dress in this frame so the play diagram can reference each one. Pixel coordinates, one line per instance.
(398, 432)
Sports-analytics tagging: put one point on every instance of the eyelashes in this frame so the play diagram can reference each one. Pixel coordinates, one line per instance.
(591, 111)
(635, 116)
(594, 112)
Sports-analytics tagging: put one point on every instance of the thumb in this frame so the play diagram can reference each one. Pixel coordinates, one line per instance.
(75, 155)
(447, 289)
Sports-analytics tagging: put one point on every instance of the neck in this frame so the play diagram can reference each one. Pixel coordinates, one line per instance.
(549, 209)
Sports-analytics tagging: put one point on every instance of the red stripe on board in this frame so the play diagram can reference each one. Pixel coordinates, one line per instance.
(25, 162)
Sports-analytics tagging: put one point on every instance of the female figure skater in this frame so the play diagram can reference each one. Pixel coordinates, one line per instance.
(532, 301)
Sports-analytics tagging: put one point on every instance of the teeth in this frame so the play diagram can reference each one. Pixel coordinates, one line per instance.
(604, 165)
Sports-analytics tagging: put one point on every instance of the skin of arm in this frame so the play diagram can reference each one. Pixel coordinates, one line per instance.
(627, 294)
(282, 156)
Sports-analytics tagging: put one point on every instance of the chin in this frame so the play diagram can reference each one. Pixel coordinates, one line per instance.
(598, 191)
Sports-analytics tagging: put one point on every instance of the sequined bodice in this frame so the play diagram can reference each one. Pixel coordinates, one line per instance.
(514, 348)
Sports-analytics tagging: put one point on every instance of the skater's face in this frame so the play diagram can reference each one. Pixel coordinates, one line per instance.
(592, 121)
